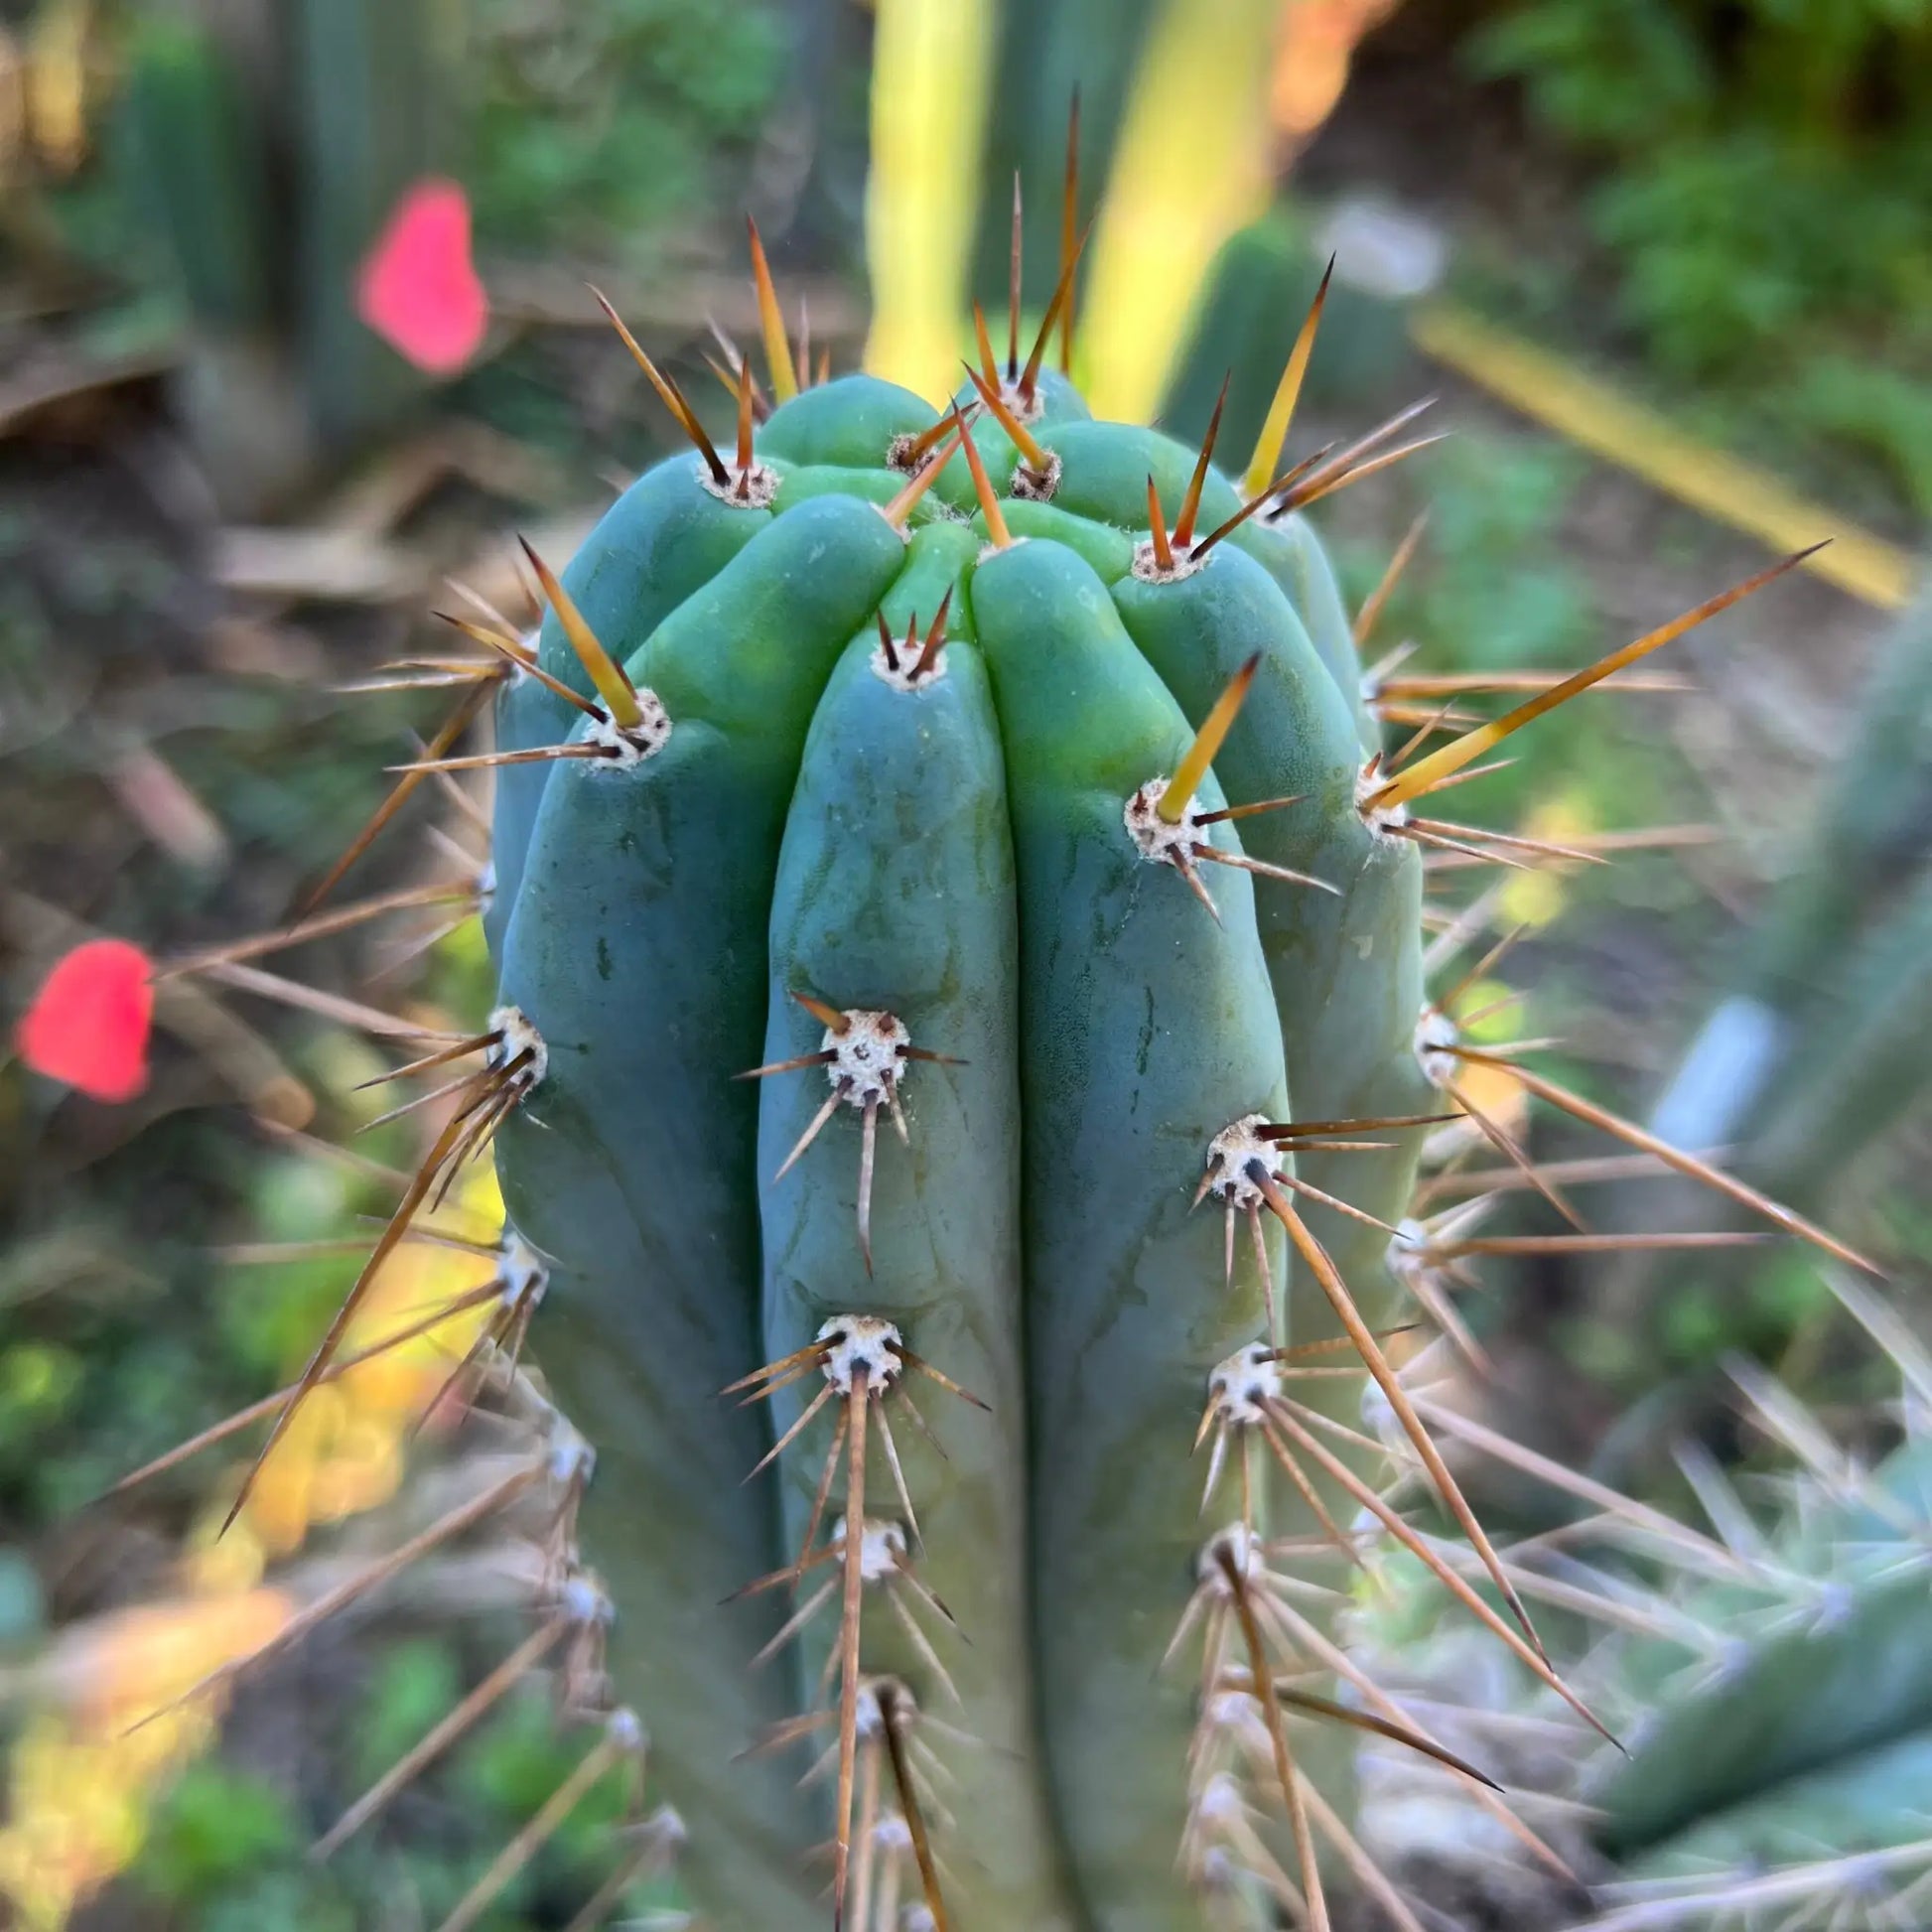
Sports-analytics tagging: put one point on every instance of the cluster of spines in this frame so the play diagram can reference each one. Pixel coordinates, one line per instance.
(1255, 1643)
(863, 1363)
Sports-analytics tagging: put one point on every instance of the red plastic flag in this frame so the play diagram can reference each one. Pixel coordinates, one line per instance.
(89, 1022)
(418, 288)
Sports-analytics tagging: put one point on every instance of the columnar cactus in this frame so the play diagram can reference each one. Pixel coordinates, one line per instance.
(909, 822)
(961, 1049)
(268, 144)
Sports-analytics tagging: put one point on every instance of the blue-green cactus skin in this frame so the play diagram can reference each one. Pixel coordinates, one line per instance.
(1347, 992)
(896, 891)
(951, 850)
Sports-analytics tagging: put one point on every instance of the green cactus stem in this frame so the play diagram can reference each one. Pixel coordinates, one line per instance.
(326, 109)
(896, 845)
(1788, 1756)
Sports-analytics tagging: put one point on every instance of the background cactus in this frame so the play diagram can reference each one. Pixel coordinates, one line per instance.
(268, 145)
(1818, 1048)
(1759, 1652)
(1789, 1064)
(1268, 269)
(1800, 1736)
(1766, 1658)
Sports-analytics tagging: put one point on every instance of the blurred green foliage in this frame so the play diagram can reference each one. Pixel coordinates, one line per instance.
(225, 1850)
(214, 1830)
(1764, 168)
(617, 126)
(1493, 585)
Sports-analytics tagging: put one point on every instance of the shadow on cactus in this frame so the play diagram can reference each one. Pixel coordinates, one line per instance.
(925, 875)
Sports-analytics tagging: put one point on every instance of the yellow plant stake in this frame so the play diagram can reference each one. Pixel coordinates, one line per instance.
(1191, 167)
(932, 63)
(59, 54)
(1562, 398)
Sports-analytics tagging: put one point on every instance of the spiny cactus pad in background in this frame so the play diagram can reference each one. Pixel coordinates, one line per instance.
(1766, 1663)
(924, 877)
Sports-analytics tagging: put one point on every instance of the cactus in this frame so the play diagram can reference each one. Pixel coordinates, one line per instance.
(1819, 1046)
(886, 810)
(960, 1043)
(1788, 1751)
(1268, 267)
(1775, 1670)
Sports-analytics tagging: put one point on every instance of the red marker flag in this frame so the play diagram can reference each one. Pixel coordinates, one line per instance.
(418, 288)
(89, 1022)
